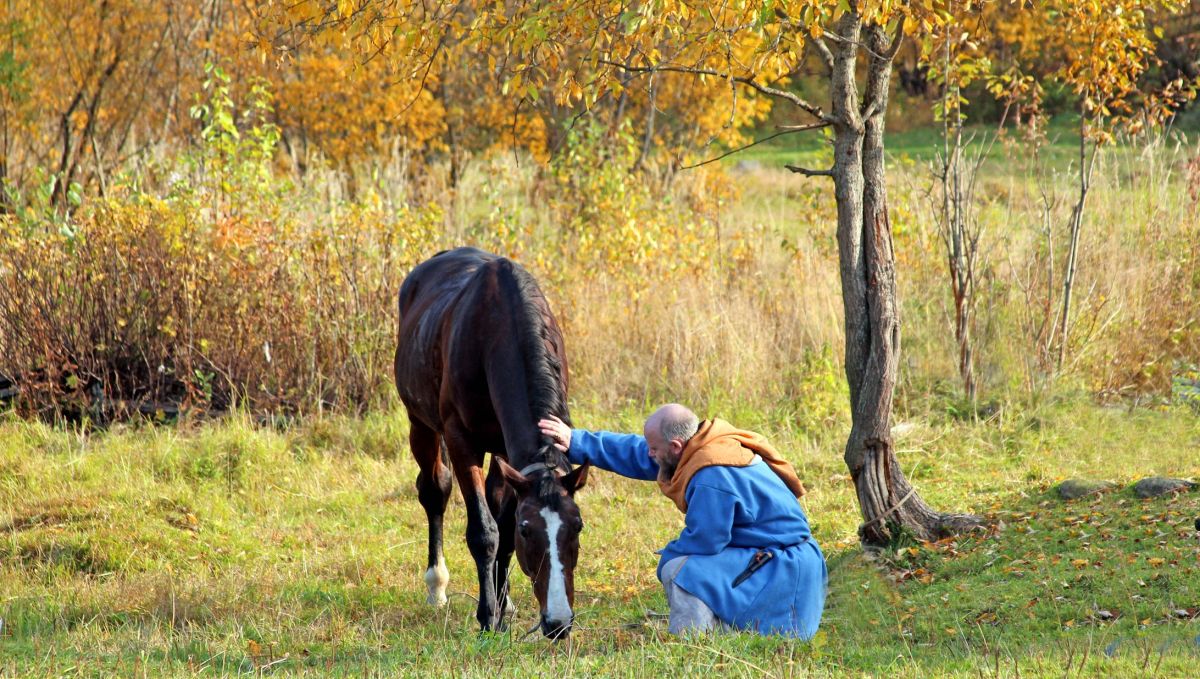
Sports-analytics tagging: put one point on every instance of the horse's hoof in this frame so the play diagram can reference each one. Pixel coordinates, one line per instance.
(436, 580)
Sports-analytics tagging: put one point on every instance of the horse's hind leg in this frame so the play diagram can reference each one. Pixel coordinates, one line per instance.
(434, 483)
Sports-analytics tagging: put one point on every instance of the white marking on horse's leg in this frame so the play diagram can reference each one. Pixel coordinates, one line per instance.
(436, 580)
(557, 607)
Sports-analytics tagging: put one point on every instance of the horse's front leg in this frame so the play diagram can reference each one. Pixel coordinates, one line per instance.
(483, 537)
(503, 504)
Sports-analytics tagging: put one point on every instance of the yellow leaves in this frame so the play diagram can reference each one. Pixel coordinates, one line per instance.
(302, 11)
(1156, 562)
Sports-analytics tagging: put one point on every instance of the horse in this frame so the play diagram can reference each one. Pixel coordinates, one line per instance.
(479, 360)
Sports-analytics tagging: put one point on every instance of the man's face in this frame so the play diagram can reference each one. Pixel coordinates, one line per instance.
(665, 453)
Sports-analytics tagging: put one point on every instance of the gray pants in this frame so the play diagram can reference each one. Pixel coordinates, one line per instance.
(688, 614)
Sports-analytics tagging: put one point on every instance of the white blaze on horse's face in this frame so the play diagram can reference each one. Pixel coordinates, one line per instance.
(558, 609)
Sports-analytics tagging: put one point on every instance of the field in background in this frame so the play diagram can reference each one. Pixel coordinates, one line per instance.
(215, 283)
(227, 546)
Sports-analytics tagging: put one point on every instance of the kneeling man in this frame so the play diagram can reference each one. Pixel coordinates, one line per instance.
(746, 558)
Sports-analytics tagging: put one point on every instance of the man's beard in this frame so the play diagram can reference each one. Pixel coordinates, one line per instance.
(666, 470)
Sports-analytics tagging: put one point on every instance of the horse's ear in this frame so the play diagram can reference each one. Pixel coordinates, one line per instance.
(514, 478)
(577, 479)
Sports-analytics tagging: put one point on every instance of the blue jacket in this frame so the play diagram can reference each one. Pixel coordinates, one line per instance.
(732, 513)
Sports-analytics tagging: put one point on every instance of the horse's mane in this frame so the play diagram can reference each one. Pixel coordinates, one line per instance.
(545, 374)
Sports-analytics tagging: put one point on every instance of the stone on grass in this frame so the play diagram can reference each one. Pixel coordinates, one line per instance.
(1073, 489)
(1156, 486)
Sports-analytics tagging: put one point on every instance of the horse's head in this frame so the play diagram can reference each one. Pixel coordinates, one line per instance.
(547, 539)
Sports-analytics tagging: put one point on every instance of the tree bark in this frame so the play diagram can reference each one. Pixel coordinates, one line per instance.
(889, 504)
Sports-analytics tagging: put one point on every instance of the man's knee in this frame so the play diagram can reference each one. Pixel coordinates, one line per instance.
(671, 569)
(688, 613)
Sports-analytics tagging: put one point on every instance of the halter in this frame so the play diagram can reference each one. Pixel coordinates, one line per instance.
(540, 466)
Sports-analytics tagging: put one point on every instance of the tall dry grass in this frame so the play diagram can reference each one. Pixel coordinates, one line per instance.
(718, 288)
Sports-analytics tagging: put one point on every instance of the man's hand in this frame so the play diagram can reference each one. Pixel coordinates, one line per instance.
(557, 431)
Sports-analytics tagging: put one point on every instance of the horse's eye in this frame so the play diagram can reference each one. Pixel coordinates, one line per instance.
(524, 528)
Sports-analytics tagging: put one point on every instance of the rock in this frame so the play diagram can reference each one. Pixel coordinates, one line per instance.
(1073, 489)
(1156, 486)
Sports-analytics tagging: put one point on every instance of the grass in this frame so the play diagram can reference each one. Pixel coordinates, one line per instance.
(220, 548)
(223, 548)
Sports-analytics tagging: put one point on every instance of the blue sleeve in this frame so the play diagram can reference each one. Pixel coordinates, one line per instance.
(624, 454)
(708, 524)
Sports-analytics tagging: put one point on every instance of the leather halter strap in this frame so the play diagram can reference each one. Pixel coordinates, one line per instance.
(539, 466)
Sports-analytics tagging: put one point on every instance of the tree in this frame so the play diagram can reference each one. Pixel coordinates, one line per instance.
(1101, 52)
(954, 63)
(587, 53)
(757, 48)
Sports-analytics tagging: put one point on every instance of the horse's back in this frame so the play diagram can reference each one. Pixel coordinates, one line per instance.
(428, 299)
(479, 344)
(441, 277)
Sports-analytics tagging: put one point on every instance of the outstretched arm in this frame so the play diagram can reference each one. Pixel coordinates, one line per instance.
(624, 454)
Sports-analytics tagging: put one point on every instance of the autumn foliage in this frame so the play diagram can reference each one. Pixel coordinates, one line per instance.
(210, 203)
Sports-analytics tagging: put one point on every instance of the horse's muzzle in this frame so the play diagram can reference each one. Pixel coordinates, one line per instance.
(555, 629)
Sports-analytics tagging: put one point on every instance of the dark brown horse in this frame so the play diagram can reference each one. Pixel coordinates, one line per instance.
(479, 360)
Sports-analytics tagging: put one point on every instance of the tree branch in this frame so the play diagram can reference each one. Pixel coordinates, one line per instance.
(809, 173)
(897, 39)
(803, 105)
(784, 129)
(824, 51)
(872, 107)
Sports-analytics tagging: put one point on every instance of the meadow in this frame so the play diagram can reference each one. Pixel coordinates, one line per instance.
(292, 544)
(226, 548)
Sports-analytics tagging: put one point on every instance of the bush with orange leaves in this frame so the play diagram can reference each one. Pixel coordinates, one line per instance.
(230, 290)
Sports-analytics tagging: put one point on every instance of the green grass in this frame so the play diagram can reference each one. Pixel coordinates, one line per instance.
(224, 548)
(918, 144)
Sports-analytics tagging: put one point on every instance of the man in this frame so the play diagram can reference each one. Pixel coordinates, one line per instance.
(746, 558)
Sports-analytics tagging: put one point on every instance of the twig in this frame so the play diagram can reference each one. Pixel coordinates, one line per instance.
(271, 664)
(812, 110)
(810, 173)
(889, 510)
(824, 51)
(788, 130)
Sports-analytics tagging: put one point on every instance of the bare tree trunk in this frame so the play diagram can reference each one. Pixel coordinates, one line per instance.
(648, 135)
(959, 233)
(888, 502)
(1085, 184)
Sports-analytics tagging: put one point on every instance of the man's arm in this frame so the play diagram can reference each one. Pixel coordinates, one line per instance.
(624, 454)
(708, 523)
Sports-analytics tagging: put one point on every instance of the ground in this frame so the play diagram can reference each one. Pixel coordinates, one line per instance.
(224, 547)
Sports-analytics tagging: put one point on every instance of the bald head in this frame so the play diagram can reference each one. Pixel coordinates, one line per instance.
(673, 422)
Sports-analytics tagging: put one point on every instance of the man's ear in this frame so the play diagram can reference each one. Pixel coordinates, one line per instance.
(677, 446)
(577, 479)
(512, 477)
